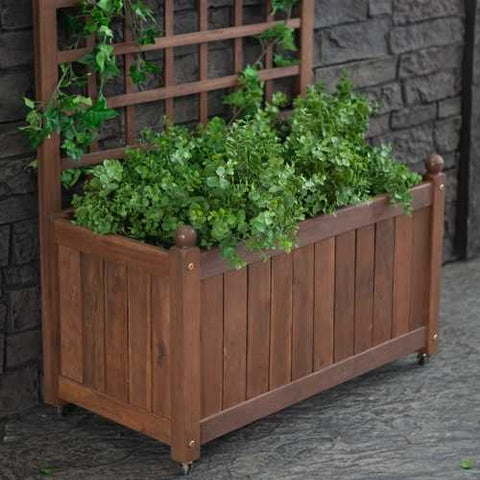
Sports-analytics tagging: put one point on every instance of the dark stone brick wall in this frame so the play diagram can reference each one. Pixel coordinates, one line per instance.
(405, 54)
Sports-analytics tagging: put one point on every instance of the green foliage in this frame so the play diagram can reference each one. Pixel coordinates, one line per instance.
(251, 181)
(75, 117)
(466, 464)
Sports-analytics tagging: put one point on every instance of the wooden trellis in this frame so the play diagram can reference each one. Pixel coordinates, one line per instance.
(49, 57)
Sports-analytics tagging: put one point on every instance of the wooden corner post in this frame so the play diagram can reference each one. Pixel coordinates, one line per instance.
(49, 195)
(185, 346)
(306, 45)
(434, 164)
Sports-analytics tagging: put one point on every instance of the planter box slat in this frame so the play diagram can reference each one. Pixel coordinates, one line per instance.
(275, 400)
(383, 293)
(93, 301)
(364, 288)
(120, 412)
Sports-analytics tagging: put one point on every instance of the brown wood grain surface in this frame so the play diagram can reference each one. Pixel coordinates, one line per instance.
(281, 321)
(235, 338)
(161, 349)
(258, 337)
(116, 331)
(344, 295)
(324, 314)
(139, 339)
(383, 298)
(302, 328)
(93, 301)
(420, 268)
(364, 282)
(402, 281)
(71, 325)
(211, 332)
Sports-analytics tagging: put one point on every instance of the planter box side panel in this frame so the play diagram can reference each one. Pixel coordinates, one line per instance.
(114, 331)
(278, 321)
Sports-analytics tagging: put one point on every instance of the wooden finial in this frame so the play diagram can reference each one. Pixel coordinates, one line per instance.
(434, 164)
(185, 236)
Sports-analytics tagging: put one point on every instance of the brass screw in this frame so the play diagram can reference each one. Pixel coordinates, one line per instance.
(435, 337)
(442, 187)
(191, 443)
(190, 267)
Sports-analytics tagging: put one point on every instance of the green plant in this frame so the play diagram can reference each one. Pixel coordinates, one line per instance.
(75, 117)
(250, 181)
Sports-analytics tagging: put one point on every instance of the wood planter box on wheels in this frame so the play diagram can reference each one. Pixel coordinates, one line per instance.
(173, 343)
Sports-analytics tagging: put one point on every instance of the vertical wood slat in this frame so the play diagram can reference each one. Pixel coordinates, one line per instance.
(344, 295)
(281, 320)
(211, 335)
(434, 166)
(269, 53)
(49, 196)
(139, 339)
(235, 338)
(203, 58)
(402, 274)
(324, 314)
(186, 353)
(129, 88)
(93, 302)
(364, 288)
(161, 349)
(302, 330)
(71, 325)
(169, 54)
(258, 340)
(383, 297)
(238, 42)
(116, 331)
(306, 44)
(420, 268)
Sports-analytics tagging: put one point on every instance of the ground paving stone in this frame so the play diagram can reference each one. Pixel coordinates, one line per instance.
(399, 422)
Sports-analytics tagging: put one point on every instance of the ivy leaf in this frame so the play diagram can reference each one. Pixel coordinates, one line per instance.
(467, 464)
(29, 103)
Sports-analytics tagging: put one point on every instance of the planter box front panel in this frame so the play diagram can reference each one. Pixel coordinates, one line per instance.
(280, 320)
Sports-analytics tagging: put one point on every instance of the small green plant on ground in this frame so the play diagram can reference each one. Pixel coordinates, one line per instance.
(467, 464)
(251, 181)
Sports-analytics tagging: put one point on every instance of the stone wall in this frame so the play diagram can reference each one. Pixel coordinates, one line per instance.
(405, 54)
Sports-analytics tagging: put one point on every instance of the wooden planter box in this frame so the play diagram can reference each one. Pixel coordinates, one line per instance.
(173, 344)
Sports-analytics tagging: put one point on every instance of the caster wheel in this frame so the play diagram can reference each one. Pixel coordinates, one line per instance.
(423, 358)
(186, 468)
(61, 411)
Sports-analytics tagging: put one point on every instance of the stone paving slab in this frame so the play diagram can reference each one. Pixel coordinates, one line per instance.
(399, 422)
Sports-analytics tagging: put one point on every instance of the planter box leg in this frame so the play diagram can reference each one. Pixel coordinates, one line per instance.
(185, 348)
(434, 164)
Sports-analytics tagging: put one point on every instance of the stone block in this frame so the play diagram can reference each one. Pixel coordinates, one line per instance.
(16, 49)
(25, 242)
(443, 31)
(22, 348)
(19, 276)
(431, 60)
(378, 126)
(15, 14)
(24, 309)
(19, 389)
(409, 11)
(450, 107)
(14, 86)
(367, 73)
(4, 244)
(16, 177)
(414, 115)
(411, 145)
(437, 86)
(335, 12)
(3, 317)
(2, 353)
(447, 135)
(386, 98)
(380, 7)
(355, 42)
